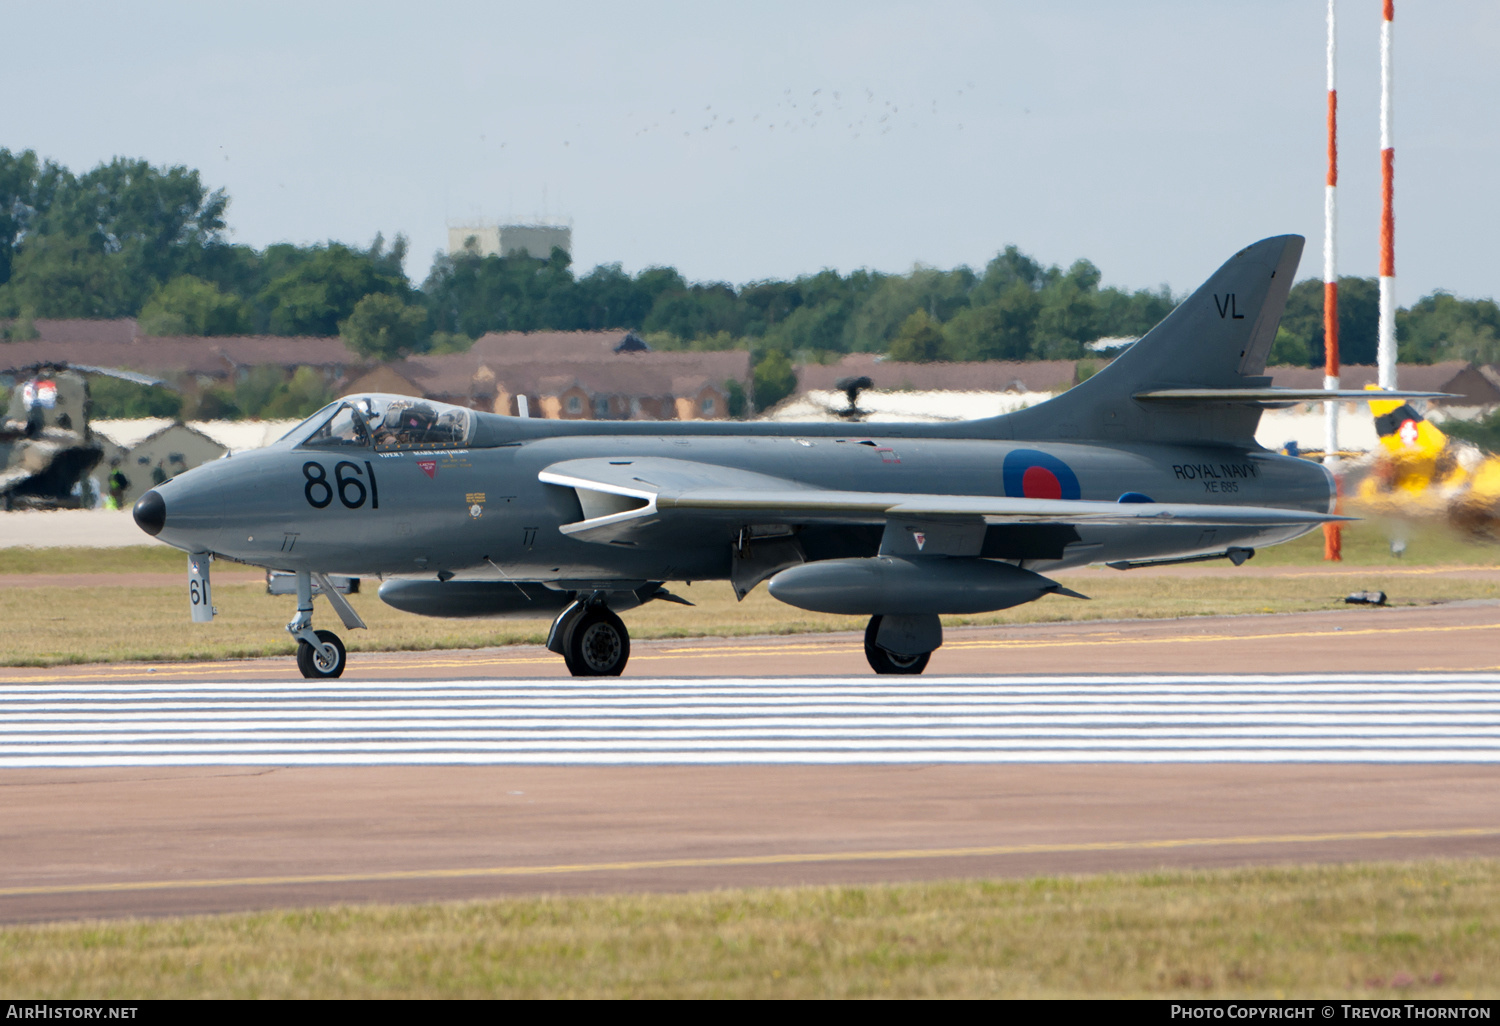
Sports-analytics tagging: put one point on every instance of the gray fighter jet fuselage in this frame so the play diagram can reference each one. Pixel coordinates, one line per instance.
(464, 513)
(457, 510)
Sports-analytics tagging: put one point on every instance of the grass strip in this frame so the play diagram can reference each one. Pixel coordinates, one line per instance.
(52, 625)
(1424, 929)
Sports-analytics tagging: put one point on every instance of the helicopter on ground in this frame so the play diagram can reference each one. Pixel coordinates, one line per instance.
(46, 447)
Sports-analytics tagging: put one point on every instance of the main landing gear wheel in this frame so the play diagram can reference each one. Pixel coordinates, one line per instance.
(315, 663)
(597, 645)
(882, 661)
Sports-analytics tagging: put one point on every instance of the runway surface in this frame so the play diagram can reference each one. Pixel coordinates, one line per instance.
(1449, 718)
(174, 788)
(169, 840)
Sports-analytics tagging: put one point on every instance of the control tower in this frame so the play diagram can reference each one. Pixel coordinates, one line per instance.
(489, 238)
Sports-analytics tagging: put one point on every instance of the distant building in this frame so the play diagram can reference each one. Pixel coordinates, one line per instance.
(878, 406)
(148, 452)
(572, 375)
(480, 238)
(1472, 387)
(536, 239)
(484, 238)
(79, 329)
(985, 376)
(205, 360)
(938, 392)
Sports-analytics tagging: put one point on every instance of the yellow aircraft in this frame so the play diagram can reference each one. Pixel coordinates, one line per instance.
(1418, 471)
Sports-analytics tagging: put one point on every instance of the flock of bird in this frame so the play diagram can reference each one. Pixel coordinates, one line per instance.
(825, 109)
(859, 113)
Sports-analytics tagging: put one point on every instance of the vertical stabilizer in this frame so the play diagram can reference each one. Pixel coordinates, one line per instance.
(1218, 337)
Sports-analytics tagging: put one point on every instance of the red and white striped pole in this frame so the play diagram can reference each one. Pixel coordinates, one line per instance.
(1387, 350)
(1333, 541)
(1330, 255)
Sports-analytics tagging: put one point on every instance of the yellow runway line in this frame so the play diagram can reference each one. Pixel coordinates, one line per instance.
(142, 675)
(1378, 571)
(793, 858)
(1200, 638)
(1344, 571)
(1101, 637)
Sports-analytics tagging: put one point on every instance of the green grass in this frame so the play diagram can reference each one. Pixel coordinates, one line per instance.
(54, 625)
(68, 624)
(1367, 542)
(1375, 930)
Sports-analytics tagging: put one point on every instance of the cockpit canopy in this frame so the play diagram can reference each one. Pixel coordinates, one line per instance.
(388, 423)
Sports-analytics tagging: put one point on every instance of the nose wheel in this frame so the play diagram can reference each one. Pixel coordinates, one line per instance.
(326, 660)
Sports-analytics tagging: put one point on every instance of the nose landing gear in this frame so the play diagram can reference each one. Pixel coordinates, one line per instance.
(591, 639)
(320, 654)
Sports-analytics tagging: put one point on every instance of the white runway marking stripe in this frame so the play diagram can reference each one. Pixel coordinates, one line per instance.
(1302, 718)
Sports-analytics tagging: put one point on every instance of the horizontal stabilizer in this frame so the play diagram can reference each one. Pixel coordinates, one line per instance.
(1278, 396)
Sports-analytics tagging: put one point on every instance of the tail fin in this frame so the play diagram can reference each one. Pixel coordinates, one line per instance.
(1217, 338)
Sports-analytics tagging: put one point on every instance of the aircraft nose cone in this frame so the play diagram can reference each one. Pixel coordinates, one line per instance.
(150, 513)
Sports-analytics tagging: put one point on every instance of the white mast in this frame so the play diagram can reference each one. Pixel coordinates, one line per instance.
(1330, 256)
(1387, 352)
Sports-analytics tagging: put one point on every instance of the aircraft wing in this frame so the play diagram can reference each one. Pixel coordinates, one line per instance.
(624, 498)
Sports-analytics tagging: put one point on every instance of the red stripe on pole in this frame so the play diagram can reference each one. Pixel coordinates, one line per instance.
(1387, 215)
(1333, 134)
(1331, 328)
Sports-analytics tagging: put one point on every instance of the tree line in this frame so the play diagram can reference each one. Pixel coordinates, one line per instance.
(131, 239)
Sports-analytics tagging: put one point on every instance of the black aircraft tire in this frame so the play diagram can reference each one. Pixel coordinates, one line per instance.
(309, 666)
(882, 661)
(598, 645)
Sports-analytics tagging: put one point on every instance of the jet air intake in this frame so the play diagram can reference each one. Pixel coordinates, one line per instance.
(888, 586)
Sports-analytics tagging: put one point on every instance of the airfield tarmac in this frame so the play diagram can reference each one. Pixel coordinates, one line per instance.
(110, 840)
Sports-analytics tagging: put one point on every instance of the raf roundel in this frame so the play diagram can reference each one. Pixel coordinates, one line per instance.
(1033, 474)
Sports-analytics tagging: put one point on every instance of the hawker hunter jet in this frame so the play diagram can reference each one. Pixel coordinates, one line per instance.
(469, 514)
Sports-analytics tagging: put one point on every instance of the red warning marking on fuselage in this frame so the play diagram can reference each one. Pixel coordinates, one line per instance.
(429, 467)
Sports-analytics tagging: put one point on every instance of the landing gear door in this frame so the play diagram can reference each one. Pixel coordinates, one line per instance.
(200, 593)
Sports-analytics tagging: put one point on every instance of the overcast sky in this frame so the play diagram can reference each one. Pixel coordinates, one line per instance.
(765, 140)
